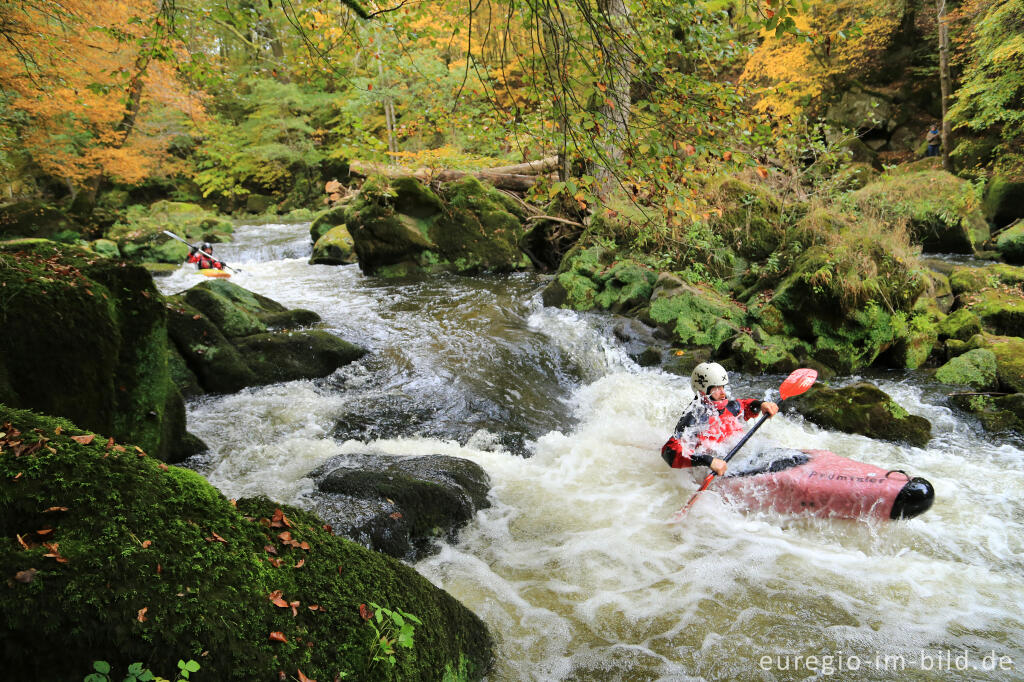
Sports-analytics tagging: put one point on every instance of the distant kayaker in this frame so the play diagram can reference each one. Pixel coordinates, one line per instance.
(202, 256)
(711, 419)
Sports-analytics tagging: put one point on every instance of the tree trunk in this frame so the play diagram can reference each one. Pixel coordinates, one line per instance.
(389, 105)
(944, 81)
(616, 107)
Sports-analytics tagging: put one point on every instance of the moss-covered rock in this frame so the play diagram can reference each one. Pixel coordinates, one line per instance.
(854, 176)
(1010, 244)
(401, 505)
(149, 563)
(139, 232)
(323, 222)
(1009, 352)
(232, 320)
(864, 409)
(999, 414)
(975, 368)
(1000, 310)
(479, 230)
(34, 219)
(751, 219)
(286, 356)
(961, 324)
(942, 211)
(213, 359)
(105, 248)
(955, 347)
(1004, 200)
(970, 279)
(698, 316)
(85, 338)
(757, 353)
(335, 247)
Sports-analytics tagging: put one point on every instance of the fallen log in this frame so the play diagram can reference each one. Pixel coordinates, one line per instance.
(510, 181)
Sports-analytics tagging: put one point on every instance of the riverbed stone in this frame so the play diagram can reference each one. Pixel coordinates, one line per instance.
(961, 325)
(1000, 309)
(286, 356)
(864, 409)
(152, 563)
(1009, 352)
(34, 219)
(972, 279)
(213, 359)
(401, 505)
(327, 220)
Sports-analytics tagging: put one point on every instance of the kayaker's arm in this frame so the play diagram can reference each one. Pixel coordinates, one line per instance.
(755, 408)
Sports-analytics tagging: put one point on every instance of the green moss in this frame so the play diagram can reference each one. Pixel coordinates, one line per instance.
(232, 320)
(335, 247)
(699, 317)
(218, 365)
(943, 211)
(972, 279)
(158, 565)
(1009, 352)
(1010, 244)
(323, 223)
(975, 368)
(864, 409)
(751, 220)
(1000, 310)
(773, 354)
(36, 219)
(961, 324)
(139, 232)
(85, 338)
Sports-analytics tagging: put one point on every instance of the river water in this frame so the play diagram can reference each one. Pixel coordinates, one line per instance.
(573, 567)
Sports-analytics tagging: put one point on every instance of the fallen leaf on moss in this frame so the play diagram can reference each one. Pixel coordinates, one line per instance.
(278, 637)
(163, 467)
(303, 678)
(55, 509)
(146, 544)
(295, 608)
(44, 531)
(302, 562)
(142, 614)
(25, 576)
(270, 549)
(396, 515)
(364, 612)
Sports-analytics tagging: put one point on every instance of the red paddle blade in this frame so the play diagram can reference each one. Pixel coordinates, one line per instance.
(798, 382)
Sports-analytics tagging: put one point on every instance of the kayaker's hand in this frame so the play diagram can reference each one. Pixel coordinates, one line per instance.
(769, 408)
(719, 465)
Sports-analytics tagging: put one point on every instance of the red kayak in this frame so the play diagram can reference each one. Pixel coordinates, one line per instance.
(822, 483)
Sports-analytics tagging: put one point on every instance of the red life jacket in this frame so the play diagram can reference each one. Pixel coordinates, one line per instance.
(204, 262)
(704, 424)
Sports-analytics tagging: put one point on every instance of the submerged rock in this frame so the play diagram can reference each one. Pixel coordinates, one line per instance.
(400, 505)
(861, 408)
(149, 563)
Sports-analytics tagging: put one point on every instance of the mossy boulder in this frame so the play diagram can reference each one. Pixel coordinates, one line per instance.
(323, 223)
(335, 247)
(975, 368)
(854, 176)
(105, 248)
(383, 237)
(591, 279)
(998, 414)
(286, 356)
(34, 219)
(960, 324)
(139, 231)
(1004, 200)
(864, 409)
(230, 338)
(751, 217)
(698, 316)
(1009, 352)
(971, 279)
(148, 563)
(941, 211)
(85, 338)
(758, 353)
(1010, 243)
(1000, 310)
(401, 505)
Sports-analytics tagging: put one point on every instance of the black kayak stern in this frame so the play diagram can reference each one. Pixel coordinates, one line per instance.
(914, 498)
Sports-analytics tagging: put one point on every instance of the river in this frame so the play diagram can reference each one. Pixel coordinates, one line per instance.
(573, 567)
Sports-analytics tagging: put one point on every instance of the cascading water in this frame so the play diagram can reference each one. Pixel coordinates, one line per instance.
(573, 567)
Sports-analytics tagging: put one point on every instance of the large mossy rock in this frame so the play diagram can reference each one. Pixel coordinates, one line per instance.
(1000, 310)
(973, 279)
(85, 337)
(139, 232)
(976, 368)
(751, 217)
(864, 409)
(940, 210)
(695, 315)
(335, 247)
(323, 223)
(998, 414)
(1009, 352)
(401, 505)
(149, 563)
(1010, 244)
(1004, 200)
(402, 227)
(34, 219)
(590, 278)
(230, 338)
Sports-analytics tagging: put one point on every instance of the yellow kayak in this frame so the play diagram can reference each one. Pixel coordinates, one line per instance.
(214, 272)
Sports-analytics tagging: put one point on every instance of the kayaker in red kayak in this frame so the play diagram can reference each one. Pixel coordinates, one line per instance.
(203, 257)
(712, 418)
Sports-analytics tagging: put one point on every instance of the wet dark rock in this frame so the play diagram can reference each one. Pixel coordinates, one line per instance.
(861, 408)
(286, 356)
(400, 505)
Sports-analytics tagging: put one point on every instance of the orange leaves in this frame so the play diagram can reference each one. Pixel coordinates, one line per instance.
(216, 538)
(277, 636)
(27, 576)
(142, 614)
(365, 612)
(84, 440)
(762, 172)
(53, 553)
(303, 678)
(279, 520)
(55, 509)
(277, 600)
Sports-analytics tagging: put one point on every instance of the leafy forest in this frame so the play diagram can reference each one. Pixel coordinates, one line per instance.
(770, 184)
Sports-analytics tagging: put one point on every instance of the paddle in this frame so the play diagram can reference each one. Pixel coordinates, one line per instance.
(795, 384)
(208, 255)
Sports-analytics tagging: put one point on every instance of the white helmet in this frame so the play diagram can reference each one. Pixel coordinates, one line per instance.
(708, 374)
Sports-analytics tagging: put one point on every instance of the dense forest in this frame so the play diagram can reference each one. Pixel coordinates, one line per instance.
(771, 185)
